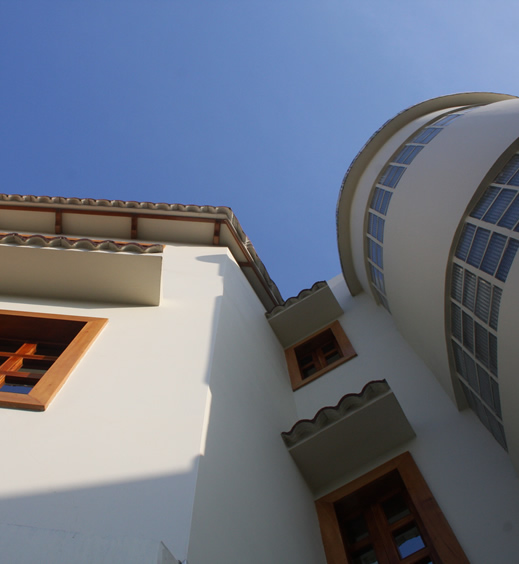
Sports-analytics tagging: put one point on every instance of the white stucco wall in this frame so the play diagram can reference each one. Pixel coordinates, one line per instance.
(168, 429)
(361, 197)
(117, 451)
(470, 475)
(251, 503)
(425, 211)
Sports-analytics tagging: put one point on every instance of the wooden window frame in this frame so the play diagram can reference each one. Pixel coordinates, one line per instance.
(43, 392)
(345, 348)
(443, 542)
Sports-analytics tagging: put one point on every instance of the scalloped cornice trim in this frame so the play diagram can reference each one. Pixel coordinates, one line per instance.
(296, 299)
(59, 200)
(143, 207)
(328, 415)
(83, 244)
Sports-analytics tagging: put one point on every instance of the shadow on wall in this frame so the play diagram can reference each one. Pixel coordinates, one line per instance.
(120, 523)
(251, 503)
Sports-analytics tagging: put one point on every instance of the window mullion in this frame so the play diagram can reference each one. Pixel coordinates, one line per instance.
(384, 537)
(319, 358)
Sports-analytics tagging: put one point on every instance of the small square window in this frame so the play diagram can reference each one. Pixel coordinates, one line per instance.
(318, 354)
(38, 352)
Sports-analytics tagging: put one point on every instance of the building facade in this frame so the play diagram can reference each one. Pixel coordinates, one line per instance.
(162, 403)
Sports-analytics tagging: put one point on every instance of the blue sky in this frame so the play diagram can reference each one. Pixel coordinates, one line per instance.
(259, 105)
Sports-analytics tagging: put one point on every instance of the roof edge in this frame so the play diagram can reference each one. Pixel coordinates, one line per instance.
(265, 287)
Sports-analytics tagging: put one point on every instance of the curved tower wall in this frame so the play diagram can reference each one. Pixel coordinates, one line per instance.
(423, 222)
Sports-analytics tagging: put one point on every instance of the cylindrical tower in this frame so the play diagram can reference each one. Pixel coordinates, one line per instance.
(428, 224)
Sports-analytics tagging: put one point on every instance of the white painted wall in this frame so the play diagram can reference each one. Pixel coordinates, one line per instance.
(168, 429)
(24, 545)
(117, 451)
(425, 211)
(470, 475)
(251, 503)
(361, 198)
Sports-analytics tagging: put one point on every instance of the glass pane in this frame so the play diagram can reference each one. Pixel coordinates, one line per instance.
(495, 395)
(10, 346)
(385, 202)
(329, 347)
(391, 175)
(373, 225)
(426, 135)
(380, 201)
(499, 206)
(496, 429)
(481, 412)
(457, 282)
(377, 198)
(468, 332)
(50, 350)
(446, 120)
(458, 357)
(13, 388)
(470, 372)
(511, 216)
(506, 262)
(380, 229)
(483, 299)
(469, 290)
(509, 170)
(407, 154)
(333, 357)
(485, 388)
(484, 203)
(465, 241)
(375, 253)
(307, 359)
(377, 278)
(408, 541)
(395, 508)
(496, 301)
(479, 245)
(356, 529)
(514, 181)
(307, 372)
(365, 556)
(482, 351)
(35, 366)
(456, 321)
(469, 395)
(493, 253)
(493, 353)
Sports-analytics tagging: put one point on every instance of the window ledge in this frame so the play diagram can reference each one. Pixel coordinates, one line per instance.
(344, 437)
(80, 269)
(304, 314)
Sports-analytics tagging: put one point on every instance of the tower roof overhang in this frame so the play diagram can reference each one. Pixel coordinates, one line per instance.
(371, 148)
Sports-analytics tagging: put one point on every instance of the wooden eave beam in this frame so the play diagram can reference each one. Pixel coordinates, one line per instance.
(216, 236)
(135, 216)
(58, 223)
